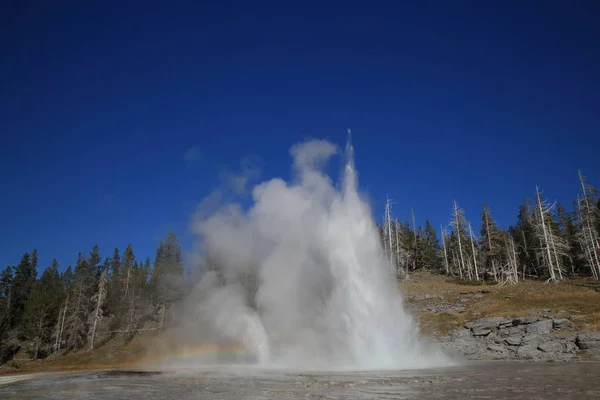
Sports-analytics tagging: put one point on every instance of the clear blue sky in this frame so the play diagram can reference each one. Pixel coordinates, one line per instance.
(99, 105)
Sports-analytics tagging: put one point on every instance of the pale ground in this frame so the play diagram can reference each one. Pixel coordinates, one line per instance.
(477, 380)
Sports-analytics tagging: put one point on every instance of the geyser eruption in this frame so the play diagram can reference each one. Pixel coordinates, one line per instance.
(300, 279)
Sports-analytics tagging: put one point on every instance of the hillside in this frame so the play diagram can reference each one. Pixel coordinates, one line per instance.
(441, 305)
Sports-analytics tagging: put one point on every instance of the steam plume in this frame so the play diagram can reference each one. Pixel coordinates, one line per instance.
(299, 277)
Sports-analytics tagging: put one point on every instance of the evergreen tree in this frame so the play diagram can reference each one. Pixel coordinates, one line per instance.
(524, 238)
(568, 230)
(77, 313)
(94, 262)
(5, 308)
(492, 245)
(114, 285)
(432, 252)
(41, 312)
(167, 277)
(22, 284)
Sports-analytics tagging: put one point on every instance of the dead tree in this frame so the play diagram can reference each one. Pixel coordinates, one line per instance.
(472, 238)
(458, 222)
(588, 237)
(99, 298)
(551, 245)
(445, 250)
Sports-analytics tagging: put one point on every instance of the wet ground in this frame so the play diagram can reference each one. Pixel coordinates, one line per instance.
(491, 380)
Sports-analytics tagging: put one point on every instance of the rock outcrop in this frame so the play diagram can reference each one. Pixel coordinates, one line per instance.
(524, 338)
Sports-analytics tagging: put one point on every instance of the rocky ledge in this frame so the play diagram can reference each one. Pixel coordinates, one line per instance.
(527, 338)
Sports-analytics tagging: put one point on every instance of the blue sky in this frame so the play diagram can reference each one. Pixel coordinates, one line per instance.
(117, 119)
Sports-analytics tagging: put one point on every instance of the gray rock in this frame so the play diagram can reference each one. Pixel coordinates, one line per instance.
(484, 326)
(524, 320)
(570, 347)
(588, 340)
(461, 334)
(512, 331)
(542, 327)
(533, 340)
(514, 340)
(528, 351)
(562, 324)
(496, 348)
(551, 347)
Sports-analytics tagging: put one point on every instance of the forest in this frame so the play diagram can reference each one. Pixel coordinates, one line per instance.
(546, 242)
(115, 297)
(100, 299)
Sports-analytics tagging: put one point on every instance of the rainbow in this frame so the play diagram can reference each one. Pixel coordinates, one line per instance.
(208, 353)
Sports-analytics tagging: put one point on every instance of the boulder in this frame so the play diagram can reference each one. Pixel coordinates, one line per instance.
(514, 340)
(461, 334)
(528, 351)
(551, 347)
(512, 331)
(483, 327)
(560, 324)
(524, 320)
(588, 340)
(543, 327)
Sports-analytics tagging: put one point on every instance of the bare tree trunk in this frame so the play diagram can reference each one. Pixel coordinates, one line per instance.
(62, 326)
(388, 220)
(592, 234)
(457, 226)
(445, 251)
(100, 297)
(473, 250)
(487, 228)
(546, 243)
(415, 238)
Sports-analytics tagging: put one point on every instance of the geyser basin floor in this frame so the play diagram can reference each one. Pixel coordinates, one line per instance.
(478, 380)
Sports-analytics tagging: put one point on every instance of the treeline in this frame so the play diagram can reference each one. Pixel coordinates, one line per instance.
(98, 300)
(546, 242)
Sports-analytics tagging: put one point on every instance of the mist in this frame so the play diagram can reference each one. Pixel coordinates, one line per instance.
(299, 277)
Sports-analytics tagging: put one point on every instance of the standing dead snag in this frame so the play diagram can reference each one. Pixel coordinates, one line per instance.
(99, 298)
(445, 251)
(551, 246)
(60, 327)
(457, 222)
(589, 237)
(472, 238)
(388, 233)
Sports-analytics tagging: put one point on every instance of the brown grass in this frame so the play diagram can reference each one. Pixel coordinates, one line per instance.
(577, 298)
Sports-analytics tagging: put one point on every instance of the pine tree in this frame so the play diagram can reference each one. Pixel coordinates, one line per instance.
(432, 249)
(568, 230)
(523, 235)
(77, 313)
(166, 281)
(94, 261)
(41, 312)
(22, 284)
(6, 279)
(127, 265)
(492, 245)
(113, 302)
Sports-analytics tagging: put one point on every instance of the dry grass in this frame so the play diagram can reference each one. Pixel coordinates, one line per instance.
(578, 298)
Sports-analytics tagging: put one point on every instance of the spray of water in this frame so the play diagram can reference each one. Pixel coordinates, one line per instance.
(300, 278)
